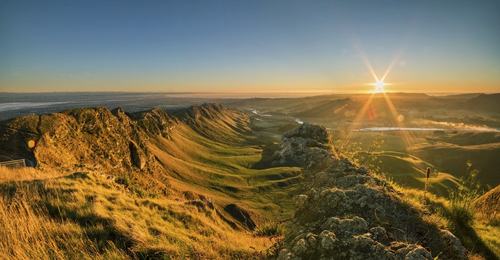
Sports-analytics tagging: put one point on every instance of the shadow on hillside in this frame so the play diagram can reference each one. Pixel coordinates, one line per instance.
(266, 157)
(471, 240)
(58, 204)
(465, 232)
(98, 229)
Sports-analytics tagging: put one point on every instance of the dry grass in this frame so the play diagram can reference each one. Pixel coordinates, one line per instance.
(29, 233)
(480, 235)
(26, 174)
(88, 216)
(93, 215)
(101, 214)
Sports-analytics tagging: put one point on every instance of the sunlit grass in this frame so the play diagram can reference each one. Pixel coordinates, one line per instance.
(29, 232)
(26, 174)
(91, 216)
(128, 215)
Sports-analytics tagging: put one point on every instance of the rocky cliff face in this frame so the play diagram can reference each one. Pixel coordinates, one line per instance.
(348, 213)
(89, 138)
(100, 139)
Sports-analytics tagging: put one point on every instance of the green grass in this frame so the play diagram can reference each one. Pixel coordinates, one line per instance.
(458, 214)
(386, 153)
(227, 170)
(127, 216)
(450, 201)
(410, 171)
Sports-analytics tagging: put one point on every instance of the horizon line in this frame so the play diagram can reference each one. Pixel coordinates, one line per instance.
(248, 92)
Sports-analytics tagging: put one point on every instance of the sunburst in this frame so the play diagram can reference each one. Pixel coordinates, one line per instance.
(379, 88)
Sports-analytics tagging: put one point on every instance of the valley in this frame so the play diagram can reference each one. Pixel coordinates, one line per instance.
(452, 144)
(200, 191)
(181, 183)
(280, 130)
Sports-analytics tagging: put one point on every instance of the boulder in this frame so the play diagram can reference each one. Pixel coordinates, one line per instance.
(241, 215)
(136, 156)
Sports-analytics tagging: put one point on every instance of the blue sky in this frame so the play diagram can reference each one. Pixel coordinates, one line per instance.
(248, 46)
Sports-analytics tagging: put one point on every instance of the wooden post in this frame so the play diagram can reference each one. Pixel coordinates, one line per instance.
(427, 174)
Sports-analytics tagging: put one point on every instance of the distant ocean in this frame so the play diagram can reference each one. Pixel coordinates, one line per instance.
(21, 105)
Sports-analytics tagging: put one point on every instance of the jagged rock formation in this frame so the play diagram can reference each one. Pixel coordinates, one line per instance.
(305, 146)
(100, 139)
(348, 213)
(87, 138)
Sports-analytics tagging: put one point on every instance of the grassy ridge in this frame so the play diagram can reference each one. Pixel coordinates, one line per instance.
(120, 216)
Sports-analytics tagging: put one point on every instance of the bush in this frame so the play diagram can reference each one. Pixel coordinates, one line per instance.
(269, 229)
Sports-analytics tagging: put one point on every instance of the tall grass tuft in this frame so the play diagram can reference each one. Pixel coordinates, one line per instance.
(269, 229)
(27, 232)
(461, 207)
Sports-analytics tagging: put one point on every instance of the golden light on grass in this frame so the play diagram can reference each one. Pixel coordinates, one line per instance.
(27, 174)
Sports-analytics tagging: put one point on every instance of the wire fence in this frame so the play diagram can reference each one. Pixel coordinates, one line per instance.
(14, 163)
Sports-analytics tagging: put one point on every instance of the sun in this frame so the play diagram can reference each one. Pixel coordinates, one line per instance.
(379, 87)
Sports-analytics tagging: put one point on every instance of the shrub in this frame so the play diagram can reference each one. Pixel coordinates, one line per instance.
(269, 229)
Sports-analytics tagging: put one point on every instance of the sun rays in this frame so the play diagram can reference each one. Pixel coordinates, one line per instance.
(357, 120)
(379, 89)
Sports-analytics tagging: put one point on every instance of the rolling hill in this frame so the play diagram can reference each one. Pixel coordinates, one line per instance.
(208, 181)
(153, 184)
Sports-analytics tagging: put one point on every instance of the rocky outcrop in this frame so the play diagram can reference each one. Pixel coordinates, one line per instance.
(112, 142)
(137, 157)
(88, 138)
(349, 213)
(108, 140)
(305, 146)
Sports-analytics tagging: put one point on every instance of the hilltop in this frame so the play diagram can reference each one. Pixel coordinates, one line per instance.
(158, 184)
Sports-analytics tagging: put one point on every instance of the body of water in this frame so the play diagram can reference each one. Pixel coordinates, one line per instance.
(388, 129)
(21, 105)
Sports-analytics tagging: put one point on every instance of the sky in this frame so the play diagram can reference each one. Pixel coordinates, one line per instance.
(249, 46)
